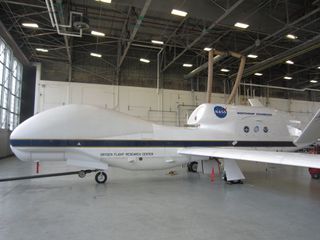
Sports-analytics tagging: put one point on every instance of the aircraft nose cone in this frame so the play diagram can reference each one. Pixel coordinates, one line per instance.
(17, 141)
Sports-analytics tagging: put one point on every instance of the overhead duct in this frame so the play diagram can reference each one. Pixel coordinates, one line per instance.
(239, 76)
(210, 76)
(210, 72)
(205, 66)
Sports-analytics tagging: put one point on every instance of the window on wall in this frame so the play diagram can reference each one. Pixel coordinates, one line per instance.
(10, 88)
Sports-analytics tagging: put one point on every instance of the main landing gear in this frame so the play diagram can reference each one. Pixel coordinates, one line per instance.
(100, 177)
(192, 166)
(232, 181)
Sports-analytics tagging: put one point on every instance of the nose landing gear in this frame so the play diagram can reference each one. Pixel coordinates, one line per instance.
(101, 177)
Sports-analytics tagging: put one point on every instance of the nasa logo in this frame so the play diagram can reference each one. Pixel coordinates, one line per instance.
(220, 112)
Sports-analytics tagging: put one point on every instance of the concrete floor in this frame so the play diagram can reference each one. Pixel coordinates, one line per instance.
(283, 203)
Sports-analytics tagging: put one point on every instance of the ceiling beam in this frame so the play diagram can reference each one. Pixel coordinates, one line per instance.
(134, 31)
(281, 32)
(248, 49)
(24, 4)
(305, 47)
(204, 32)
(12, 43)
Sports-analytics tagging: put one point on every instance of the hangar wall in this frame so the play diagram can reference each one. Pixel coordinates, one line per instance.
(170, 107)
(4, 143)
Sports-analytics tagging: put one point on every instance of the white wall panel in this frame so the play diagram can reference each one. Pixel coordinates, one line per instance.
(52, 95)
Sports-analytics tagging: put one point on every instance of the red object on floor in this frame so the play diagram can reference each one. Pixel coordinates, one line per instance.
(37, 167)
(212, 174)
(314, 171)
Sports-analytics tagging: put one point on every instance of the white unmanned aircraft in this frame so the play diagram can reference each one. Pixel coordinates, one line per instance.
(95, 138)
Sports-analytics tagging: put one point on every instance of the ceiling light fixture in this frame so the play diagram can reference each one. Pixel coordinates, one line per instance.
(313, 81)
(207, 49)
(178, 13)
(258, 74)
(157, 42)
(291, 36)
(252, 56)
(188, 65)
(241, 25)
(289, 62)
(30, 25)
(104, 1)
(42, 50)
(144, 60)
(95, 55)
(96, 33)
(224, 70)
(287, 77)
(318, 67)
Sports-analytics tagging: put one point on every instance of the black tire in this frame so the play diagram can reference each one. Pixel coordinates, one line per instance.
(101, 177)
(225, 177)
(193, 167)
(315, 176)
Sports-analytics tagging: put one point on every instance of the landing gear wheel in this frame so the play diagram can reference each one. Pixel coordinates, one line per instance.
(193, 167)
(101, 177)
(315, 176)
(82, 174)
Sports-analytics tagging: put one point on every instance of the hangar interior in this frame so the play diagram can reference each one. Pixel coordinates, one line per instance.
(142, 58)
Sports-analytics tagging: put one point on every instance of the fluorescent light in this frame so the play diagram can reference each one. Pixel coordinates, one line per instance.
(258, 74)
(96, 33)
(95, 55)
(287, 78)
(318, 67)
(187, 65)
(241, 25)
(179, 13)
(224, 70)
(289, 62)
(252, 56)
(157, 42)
(207, 49)
(30, 25)
(313, 81)
(291, 36)
(104, 1)
(42, 50)
(144, 60)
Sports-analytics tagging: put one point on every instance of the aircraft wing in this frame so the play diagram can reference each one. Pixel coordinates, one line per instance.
(284, 158)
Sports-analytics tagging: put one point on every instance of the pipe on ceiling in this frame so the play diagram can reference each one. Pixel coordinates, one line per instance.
(280, 88)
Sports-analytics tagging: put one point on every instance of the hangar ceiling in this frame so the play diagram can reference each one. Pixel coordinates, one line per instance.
(130, 25)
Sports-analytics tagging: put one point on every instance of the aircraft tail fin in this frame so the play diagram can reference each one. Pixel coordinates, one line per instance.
(311, 133)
